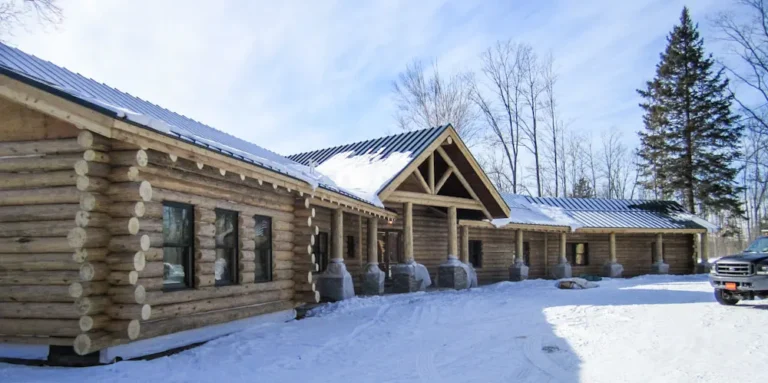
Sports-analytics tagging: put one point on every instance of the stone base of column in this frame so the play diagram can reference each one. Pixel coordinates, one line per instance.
(518, 272)
(659, 268)
(373, 280)
(612, 270)
(562, 270)
(410, 277)
(703, 267)
(335, 283)
(454, 274)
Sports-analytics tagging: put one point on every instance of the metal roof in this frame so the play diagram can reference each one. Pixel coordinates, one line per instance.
(603, 213)
(107, 100)
(414, 141)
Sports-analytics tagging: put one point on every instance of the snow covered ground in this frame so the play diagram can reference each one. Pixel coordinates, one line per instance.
(646, 329)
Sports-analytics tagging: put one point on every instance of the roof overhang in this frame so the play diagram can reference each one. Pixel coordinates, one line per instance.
(85, 115)
(581, 230)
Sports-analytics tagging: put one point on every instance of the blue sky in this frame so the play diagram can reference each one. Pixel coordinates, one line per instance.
(298, 75)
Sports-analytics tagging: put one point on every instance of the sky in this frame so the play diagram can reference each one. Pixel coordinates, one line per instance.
(298, 75)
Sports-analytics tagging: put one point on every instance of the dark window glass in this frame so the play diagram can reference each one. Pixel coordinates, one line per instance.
(225, 266)
(321, 250)
(263, 248)
(476, 253)
(350, 246)
(578, 254)
(527, 253)
(177, 245)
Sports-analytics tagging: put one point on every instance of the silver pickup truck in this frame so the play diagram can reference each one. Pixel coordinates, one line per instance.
(743, 276)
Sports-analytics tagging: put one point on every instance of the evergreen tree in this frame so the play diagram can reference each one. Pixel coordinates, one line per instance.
(691, 138)
(582, 189)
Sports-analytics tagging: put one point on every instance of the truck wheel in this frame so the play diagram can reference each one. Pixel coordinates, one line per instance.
(725, 299)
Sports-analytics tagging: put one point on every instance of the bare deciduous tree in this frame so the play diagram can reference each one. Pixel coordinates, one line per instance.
(554, 125)
(16, 12)
(426, 100)
(616, 168)
(499, 96)
(532, 91)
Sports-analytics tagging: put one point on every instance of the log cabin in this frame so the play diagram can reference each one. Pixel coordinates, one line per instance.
(127, 229)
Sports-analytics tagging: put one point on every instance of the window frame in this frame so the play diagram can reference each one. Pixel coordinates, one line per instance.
(189, 262)
(475, 256)
(322, 261)
(571, 255)
(233, 270)
(271, 259)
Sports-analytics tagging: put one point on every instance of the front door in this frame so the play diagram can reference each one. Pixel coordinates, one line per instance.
(390, 245)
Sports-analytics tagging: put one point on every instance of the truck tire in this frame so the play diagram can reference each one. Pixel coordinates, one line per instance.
(725, 299)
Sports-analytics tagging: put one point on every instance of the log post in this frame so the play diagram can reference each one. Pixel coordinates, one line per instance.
(453, 250)
(408, 231)
(519, 270)
(612, 268)
(465, 244)
(563, 268)
(335, 283)
(659, 267)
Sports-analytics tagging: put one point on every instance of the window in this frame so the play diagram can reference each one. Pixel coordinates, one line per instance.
(476, 253)
(263, 248)
(177, 245)
(653, 251)
(350, 246)
(225, 266)
(578, 254)
(321, 251)
(527, 253)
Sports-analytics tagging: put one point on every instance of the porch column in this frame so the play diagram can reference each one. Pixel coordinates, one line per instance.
(659, 267)
(563, 268)
(702, 264)
(409, 276)
(335, 283)
(612, 268)
(464, 257)
(373, 277)
(518, 271)
(453, 273)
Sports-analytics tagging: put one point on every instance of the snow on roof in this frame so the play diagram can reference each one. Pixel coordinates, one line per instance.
(363, 175)
(576, 213)
(124, 106)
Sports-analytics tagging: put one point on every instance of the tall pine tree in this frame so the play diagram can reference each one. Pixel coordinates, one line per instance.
(691, 138)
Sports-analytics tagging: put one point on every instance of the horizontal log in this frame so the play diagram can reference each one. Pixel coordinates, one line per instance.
(90, 255)
(87, 289)
(203, 229)
(87, 343)
(282, 225)
(151, 225)
(16, 148)
(130, 191)
(302, 287)
(205, 280)
(35, 293)
(127, 261)
(283, 265)
(93, 322)
(129, 243)
(246, 244)
(247, 267)
(161, 194)
(165, 298)
(130, 293)
(124, 174)
(151, 284)
(307, 297)
(283, 255)
(123, 278)
(96, 156)
(129, 311)
(127, 209)
(90, 140)
(204, 268)
(161, 327)
(247, 255)
(46, 340)
(282, 246)
(80, 237)
(63, 265)
(129, 158)
(93, 272)
(91, 219)
(284, 274)
(40, 327)
(282, 236)
(36, 229)
(151, 270)
(38, 180)
(94, 202)
(205, 215)
(188, 308)
(204, 243)
(124, 226)
(301, 250)
(44, 163)
(93, 169)
(40, 196)
(92, 184)
(205, 255)
(246, 277)
(130, 328)
(38, 213)
(82, 306)
(154, 254)
(34, 245)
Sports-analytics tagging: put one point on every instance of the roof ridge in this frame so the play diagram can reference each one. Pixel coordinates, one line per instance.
(410, 132)
(135, 97)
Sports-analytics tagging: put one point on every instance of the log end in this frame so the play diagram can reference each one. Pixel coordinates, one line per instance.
(82, 344)
(77, 237)
(145, 191)
(145, 242)
(146, 312)
(86, 323)
(133, 225)
(76, 290)
(140, 294)
(134, 328)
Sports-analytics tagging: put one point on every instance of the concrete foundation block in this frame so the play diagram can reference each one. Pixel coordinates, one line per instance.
(518, 272)
(373, 280)
(612, 270)
(659, 268)
(335, 283)
(453, 275)
(703, 267)
(562, 270)
(409, 277)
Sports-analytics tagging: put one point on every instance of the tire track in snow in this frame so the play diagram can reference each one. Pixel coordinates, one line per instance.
(426, 368)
